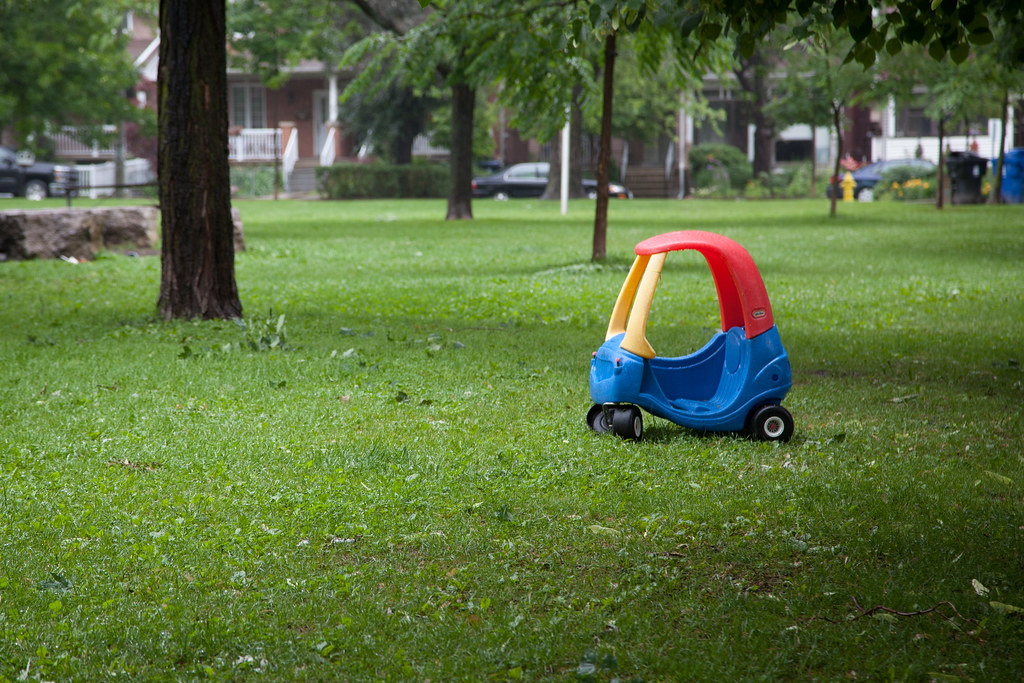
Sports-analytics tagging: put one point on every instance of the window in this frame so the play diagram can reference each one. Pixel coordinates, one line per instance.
(911, 122)
(248, 105)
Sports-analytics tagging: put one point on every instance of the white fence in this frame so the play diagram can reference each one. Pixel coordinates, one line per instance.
(96, 180)
(928, 147)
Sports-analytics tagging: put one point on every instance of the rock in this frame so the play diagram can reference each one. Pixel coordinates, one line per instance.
(127, 226)
(80, 233)
(75, 233)
(236, 219)
(49, 234)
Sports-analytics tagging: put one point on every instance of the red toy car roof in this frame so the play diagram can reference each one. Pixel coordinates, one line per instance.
(742, 297)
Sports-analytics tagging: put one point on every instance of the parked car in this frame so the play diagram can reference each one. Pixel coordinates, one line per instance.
(529, 180)
(868, 176)
(34, 180)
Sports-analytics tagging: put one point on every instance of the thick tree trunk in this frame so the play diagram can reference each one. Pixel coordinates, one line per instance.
(197, 255)
(604, 154)
(460, 195)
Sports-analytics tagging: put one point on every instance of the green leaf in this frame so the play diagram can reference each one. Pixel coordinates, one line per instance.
(689, 23)
(935, 50)
(1003, 608)
(746, 45)
(999, 477)
(710, 32)
(864, 55)
(893, 46)
(982, 37)
(959, 52)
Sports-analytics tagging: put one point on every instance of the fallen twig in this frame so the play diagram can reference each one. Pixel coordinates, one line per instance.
(917, 613)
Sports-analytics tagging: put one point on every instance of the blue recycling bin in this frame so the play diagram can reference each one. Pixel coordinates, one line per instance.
(1013, 175)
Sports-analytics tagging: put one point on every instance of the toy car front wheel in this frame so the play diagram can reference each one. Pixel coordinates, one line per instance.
(771, 423)
(628, 423)
(596, 419)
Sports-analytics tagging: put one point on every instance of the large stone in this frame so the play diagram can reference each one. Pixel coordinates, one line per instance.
(80, 233)
(236, 220)
(49, 234)
(75, 233)
(127, 226)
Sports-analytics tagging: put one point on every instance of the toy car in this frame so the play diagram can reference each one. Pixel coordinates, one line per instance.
(735, 383)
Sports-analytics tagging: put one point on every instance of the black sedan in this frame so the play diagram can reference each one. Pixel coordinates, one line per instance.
(529, 180)
(868, 176)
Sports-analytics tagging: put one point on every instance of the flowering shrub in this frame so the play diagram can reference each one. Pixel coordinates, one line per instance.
(907, 184)
(913, 189)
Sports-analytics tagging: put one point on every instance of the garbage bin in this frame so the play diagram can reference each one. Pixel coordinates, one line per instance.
(1013, 175)
(965, 173)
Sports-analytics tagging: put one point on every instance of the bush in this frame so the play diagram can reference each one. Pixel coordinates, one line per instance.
(719, 168)
(252, 181)
(382, 181)
(785, 182)
(905, 183)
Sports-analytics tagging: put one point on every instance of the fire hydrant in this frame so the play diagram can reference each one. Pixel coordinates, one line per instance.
(848, 184)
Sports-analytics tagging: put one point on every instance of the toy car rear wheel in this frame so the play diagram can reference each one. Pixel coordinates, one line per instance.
(771, 423)
(596, 419)
(628, 423)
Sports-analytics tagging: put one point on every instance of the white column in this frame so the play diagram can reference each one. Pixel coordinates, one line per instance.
(332, 99)
(565, 167)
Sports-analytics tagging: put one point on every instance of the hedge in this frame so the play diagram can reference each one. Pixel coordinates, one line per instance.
(717, 165)
(382, 181)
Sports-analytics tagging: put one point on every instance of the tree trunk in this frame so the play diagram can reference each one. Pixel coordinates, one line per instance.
(604, 153)
(460, 195)
(837, 123)
(996, 191)
(554, 186)
(197, 254)
(814, 158)
(752, 78)
(940, 190)
(408, 126)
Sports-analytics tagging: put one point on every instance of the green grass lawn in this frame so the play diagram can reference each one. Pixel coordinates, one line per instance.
(383, 472)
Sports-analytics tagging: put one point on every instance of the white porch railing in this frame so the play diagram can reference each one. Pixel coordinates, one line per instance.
(95, 180)
(254, 144)
(68, 144)
(328, 152)
(290, 158)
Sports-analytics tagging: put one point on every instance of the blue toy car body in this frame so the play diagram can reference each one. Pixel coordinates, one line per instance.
(736, 382)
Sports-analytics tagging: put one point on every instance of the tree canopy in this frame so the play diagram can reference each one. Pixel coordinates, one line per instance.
(63, 62)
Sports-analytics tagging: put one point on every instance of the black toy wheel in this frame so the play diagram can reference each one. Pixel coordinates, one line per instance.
(628, 423)
(596, 419)
(771, 423)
